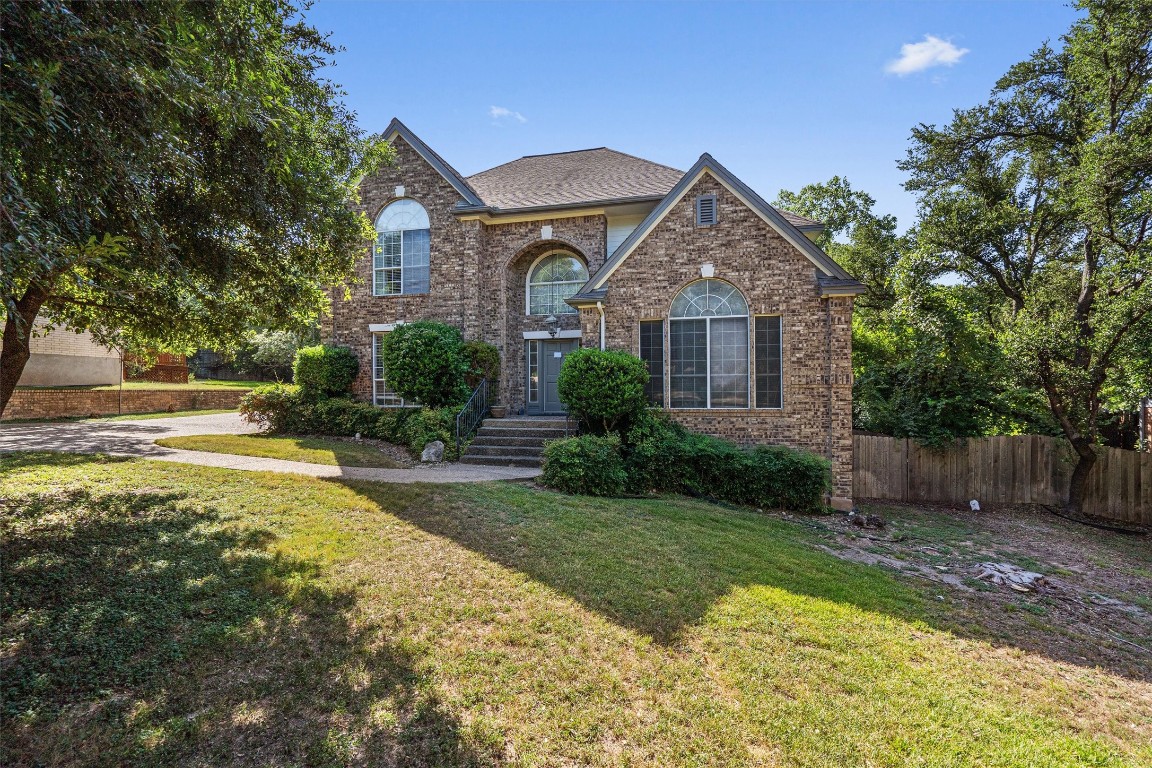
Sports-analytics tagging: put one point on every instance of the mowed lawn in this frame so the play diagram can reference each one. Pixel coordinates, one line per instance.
(162, 614)
(314, 450)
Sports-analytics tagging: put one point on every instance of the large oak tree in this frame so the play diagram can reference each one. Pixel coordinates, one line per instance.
(1042, 196)
(173, 172)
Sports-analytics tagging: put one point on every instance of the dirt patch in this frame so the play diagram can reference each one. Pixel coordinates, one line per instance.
(1093, 607)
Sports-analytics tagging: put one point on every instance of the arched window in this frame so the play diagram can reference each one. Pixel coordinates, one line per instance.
(708, 345)
(553, 278)
(400, 256)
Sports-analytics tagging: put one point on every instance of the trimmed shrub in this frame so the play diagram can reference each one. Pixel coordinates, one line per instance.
(324, 371)
(483, 363)
(590, 465)
(425, 362)
(663, 456)
(604, 389)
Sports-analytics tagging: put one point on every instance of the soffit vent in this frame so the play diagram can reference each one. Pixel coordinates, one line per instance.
(705, 210)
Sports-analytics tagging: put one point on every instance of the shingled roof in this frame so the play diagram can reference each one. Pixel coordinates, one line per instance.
(581, 177)
(571, 178)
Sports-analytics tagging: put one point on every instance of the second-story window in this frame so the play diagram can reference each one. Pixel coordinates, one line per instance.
(554, 277)
(400, 255)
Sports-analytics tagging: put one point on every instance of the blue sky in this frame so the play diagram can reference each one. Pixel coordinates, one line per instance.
(782, 93)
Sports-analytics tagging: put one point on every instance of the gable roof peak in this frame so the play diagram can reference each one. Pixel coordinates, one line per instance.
(774, 218)
(451, 175)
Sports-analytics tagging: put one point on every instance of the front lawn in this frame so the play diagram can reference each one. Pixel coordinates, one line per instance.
(314, 450)
(163, 614)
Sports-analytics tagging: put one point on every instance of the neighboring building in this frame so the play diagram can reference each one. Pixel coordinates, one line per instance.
(62, 357)
(744, 322)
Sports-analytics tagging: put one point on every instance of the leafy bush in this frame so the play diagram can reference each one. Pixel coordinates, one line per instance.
(425, 363)
(273, 407)
(663, 456)
(324, 371)
(426, 425)
(483, 363)
(281, 409)
(590, 465)
(603, 388)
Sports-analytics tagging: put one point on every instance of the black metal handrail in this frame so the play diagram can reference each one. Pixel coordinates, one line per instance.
(472, 413)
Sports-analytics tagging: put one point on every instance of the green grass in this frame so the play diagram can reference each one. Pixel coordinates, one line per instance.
(164, 614)
(314, 450)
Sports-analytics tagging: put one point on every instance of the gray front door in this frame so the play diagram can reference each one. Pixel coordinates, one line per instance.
(544, 360)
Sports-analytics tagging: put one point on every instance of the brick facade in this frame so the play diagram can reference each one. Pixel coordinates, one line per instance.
(478, 283)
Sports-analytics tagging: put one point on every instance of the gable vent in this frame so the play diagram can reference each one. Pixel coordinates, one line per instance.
(705, 210)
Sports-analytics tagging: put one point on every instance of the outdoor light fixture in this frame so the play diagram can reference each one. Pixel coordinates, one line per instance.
(553, 325)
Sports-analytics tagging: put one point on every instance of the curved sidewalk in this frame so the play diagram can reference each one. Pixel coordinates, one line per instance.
(136, 438)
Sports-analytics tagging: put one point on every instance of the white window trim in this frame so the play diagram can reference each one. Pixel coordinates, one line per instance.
(384, 327)
(375, 403)
(401, 267)
(749, 392)
(532, 268)
(545, 336)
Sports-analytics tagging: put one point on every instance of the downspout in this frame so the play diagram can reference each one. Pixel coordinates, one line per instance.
(600, 309)
(828, 373)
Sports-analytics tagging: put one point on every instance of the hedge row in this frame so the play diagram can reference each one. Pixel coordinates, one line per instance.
(283, 409)
(658, 455)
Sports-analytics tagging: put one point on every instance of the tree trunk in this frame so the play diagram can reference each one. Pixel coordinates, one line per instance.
(1078, 487)
(17, 334)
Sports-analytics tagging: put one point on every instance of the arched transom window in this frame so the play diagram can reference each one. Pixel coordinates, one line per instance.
(708, 346)
(554, 277)
(400, 255)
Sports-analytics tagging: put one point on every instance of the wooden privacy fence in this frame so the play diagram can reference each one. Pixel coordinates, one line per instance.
(1025, 469)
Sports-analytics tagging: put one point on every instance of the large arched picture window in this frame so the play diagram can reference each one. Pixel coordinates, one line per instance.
(400, 256)
(554, 277)
(708, 346)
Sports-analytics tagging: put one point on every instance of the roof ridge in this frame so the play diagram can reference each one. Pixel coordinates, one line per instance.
(575, 151)
(565, 152)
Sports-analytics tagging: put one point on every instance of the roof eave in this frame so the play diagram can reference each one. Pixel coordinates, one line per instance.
(706, 162)
(450, 174)
(850, 287)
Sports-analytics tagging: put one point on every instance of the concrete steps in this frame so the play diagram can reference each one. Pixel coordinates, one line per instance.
(514, 442)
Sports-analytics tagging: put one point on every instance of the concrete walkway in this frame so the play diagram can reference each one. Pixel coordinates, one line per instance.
(136, 438)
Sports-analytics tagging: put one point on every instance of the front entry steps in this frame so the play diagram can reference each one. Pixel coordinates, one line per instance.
(514, 442)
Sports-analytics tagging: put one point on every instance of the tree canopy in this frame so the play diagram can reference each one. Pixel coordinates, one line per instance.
(174, 173)
(1040, 199)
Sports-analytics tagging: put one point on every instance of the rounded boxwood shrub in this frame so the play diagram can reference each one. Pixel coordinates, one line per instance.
(324, 371)
(603, 388)
(424, 361)
(590, 465)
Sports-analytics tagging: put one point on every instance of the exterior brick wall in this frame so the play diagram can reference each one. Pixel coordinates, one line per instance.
(478, 278)
(58, 403)
(776, 279)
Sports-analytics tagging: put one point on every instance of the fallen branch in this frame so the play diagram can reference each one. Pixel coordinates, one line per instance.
(1101, 526)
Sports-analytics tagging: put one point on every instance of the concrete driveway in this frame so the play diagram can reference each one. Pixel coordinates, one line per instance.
(136, 438)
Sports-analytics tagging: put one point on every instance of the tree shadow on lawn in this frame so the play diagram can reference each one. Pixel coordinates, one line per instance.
(145, 628)
(659, 565)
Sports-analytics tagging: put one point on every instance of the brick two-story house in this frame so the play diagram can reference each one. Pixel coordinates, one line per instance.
(744, 322)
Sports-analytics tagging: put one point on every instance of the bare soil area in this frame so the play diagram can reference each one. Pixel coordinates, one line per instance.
(1093, 606)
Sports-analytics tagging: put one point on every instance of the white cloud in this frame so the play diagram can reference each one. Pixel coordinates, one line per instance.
(503, 113)
(931, 52)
